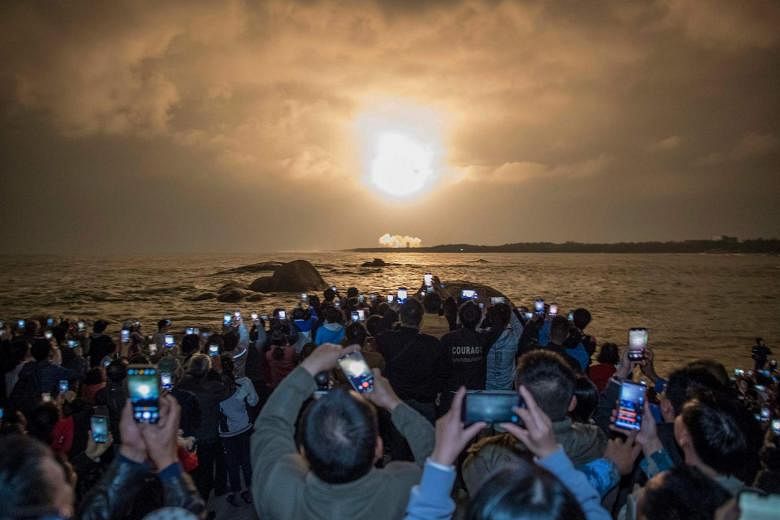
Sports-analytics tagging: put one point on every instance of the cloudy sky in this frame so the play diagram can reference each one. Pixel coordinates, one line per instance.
(166, 127)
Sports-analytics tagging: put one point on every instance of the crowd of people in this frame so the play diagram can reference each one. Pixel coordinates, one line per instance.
(259, 412)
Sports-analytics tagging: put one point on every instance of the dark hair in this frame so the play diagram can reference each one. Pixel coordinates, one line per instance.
(41, 422)
(355, 333)
(470, 315)
(352, 292)
(374, 324)
(550, 380)
(687, 381)
(41, 349)
(198, 366)
(587, 400)
(228, 376)
(609, 354)
(298, 314)
(682, 493)
(339, 436)
(716, 429)
(24, 490)
(116, 371)
(411, 313)
(527, 492)
(99, 326)
(432, 303)
(499, 314)
(230, 341)
(559, 330)
(190, 344)
(332, 314)
(94, 376)
(581, 317)
(329, 294)
(714, 368)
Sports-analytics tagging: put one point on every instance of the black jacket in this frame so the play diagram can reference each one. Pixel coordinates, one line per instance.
(415, 363)
(465, 353)
(208, 393)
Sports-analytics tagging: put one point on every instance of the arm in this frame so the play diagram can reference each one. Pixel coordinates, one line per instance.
(430, 500)
(113, 496)
(415, 428)
(179, 491)
(559, 465)
(249, 392)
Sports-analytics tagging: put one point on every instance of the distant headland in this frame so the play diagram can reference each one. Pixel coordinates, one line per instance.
(718, 245)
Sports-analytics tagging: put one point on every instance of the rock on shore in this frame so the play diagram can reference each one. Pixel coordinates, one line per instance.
(295, 276)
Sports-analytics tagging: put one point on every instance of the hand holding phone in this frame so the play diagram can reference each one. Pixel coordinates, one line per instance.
(637, 342)
(99, 427)
(143, 388)
(490, 406)
(631, 406)
(357, 372)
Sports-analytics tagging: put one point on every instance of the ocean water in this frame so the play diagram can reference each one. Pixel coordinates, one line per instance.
(694, 305)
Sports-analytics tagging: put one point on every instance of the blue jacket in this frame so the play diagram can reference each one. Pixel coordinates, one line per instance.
(330, 333)
(500, 373)
(431, 498)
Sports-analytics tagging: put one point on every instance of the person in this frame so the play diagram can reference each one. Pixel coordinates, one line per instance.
(500, 363)
(434, 323)
(587, 396)
(163, 326)
(551, 381)
(332, 331)
(415, 363)
(333, 475)
(581, 318)
(356, 334)
(760, 353)
(46, 369)
(190, 417)
(684, 492)
(604, 369)
(304, 320)
(234, 429)
(18, 355)
(465, 353)
(281, 357)
(551, 488)
(100, 344)
(207, 386)
(559, 333)
(94, 382)
(114, 394)
(34, 484)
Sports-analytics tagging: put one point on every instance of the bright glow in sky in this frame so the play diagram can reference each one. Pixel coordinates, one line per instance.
(402, 166)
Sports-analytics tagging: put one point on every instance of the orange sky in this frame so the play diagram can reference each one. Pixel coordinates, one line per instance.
(235, 126)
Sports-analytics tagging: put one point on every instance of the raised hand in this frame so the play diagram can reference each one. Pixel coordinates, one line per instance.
(325, 357)
(536, 433)
(451, 436)
(160, 439)
(133, 446)
(383, 394)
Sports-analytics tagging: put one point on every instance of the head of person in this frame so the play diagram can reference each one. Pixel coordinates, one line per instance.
(229, 341)
(682, 493)
(228, 368)
(581, 317)
(332, 314)
(190, 344)
(41, 349)
(499, 314)
(374, 325)
(355, 334)
(32, 481)
(432, 303)
(609, 354)
(713, 367)
(163, 325)
(116, 371)
(41, 422)
(199, 366)
(711, 432)
(559, 330)
(298, 314)
(340, 437)
(527, 492)
(411, 313)
(19, 348)
(682, 384)
(170, 365)
(550, 380)
(587, 400)
(352, 292)
(329, 295)
(95, 376)
(99, 327)
(470, 315)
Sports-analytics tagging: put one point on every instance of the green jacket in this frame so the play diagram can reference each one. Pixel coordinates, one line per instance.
(582, 443)
(284, 488)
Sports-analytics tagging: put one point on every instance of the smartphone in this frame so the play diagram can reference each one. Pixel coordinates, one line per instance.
(304, 297)
(64, 386)
(553, 309)
(428, 277)
(528, 315)
(390, 298)
(776, 426)
(143, 388)
(48, 334)
(738, 372)
(21, 324)
(361, 298)
(468, 294)
(361, 314)
(264, 317)
(46, 397)
(125, 336)
(170, 341)
(254, 316)
(766, 414)
(282, 315)
(630, 405)
(333, 288)
(495, 300)
(491, 406)
(213, 350)
(152, 348)
(237, 315)
(755, 506)
(191, 330)
(166, 381)
(81, 326)
(357, 372)
(99, 427)
(227, 318)
(401, 294)
(49, 322)
(539, 305)
(570, 317)
(637, 341)
(355, 316)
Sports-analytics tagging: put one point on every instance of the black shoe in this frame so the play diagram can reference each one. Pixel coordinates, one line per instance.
(247, 496)
(232, 500)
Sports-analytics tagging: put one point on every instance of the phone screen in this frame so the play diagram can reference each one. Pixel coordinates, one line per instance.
(495, 300)
(468, 294)
(99, 426)
(254, 316)
(754, 506)
(48, 334)
(637, 341)
(776, 426)
(355, 316)
(491, 407)
(64, 386)
(169, 341)
(21, 324)
(553, 309)
(46, 397)
(49, 322)
(166, 381)
(152, 348)
(125, 336)
(528, 315)
(213, 350)
(361, 314)
(357, 371)
(282, 315)
(390, 298)
(227, 318)
(428, 279)
(630, 406)
(539, 305)
(143, 388)
(401, 295)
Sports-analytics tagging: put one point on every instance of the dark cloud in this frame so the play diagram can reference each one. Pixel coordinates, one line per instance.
(218, 126)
